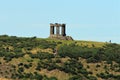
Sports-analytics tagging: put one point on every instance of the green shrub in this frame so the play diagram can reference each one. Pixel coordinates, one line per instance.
(77, 77)
(53, 78)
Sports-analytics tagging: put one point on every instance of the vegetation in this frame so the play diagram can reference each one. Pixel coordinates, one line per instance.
(34, 59)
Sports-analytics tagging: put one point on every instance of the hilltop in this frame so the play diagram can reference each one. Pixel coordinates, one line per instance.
(33, 58)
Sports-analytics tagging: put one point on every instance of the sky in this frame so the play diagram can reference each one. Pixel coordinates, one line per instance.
(94, 20)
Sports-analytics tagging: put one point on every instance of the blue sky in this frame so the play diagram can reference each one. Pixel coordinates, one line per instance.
(95, 20)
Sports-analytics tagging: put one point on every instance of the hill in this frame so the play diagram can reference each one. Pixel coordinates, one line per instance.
(34, 59)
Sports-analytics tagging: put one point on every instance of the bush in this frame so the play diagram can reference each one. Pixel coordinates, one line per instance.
(102, 75)
(97, 66)
(42, 56)
(92, 78)
(20, 70)
(53, 78)
(38, 76)
(77, 77)
(27, 66)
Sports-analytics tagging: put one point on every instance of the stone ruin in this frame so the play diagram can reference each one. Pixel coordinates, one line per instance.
(59, 32)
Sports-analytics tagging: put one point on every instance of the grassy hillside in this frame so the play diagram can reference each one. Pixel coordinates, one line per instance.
(34, 59)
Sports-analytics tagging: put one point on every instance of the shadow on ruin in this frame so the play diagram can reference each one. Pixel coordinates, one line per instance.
(58, 31)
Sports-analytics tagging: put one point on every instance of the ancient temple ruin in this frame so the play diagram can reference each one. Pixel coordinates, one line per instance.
(58, 31)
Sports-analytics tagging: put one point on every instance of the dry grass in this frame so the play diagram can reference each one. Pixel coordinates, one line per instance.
(81, 43)
(36, 50)
(90, 43)
(4, 79)
(56, 73)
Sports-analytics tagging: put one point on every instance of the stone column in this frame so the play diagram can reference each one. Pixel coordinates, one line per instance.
(57, 29)
(51, 29)
(63, 30)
